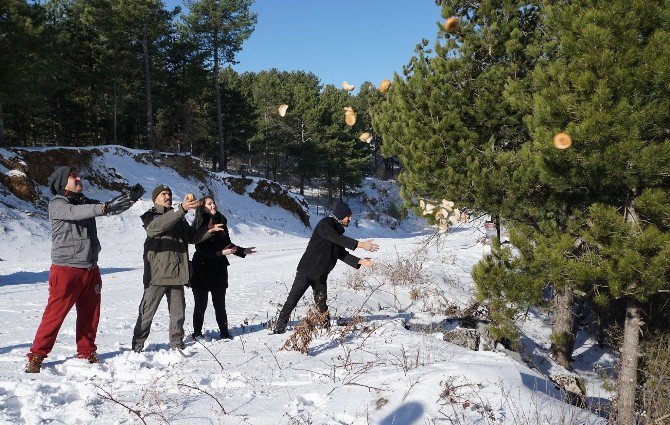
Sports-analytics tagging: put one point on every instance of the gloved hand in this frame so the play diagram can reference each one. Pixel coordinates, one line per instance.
(118, 204)
(136, 192)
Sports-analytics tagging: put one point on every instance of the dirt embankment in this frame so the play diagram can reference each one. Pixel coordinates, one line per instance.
(32, 168)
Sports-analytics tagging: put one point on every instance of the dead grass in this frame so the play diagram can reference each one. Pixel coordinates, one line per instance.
(305, 331)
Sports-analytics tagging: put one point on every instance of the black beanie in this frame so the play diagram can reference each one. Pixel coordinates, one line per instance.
(58, 179)
(160, 188)
(341, 210)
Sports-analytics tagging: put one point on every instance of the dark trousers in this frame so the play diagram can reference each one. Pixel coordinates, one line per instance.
(151, 299)
(300, 285)
(218, 300)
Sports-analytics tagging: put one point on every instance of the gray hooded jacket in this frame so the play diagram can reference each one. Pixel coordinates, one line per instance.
(74, 236)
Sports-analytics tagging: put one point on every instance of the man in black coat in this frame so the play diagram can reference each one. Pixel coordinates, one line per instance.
(327, 245)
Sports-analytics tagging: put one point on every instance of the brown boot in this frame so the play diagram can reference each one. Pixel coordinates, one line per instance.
(34, 363)
(91, 358)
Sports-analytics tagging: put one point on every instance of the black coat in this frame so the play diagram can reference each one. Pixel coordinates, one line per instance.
(325, 247)
(210, 268)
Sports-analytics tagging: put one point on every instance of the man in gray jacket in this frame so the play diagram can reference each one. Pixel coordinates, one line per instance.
(74, 277)
(166, 267)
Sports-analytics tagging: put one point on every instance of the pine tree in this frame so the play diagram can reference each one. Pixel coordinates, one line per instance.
(220, 27)
(268, 93)
(22, 27)
(345, 158)
(607, 86)
(449, 120)
(301, 122)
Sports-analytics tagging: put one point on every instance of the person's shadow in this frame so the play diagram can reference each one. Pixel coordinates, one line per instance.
(405, 414)
(27, 278)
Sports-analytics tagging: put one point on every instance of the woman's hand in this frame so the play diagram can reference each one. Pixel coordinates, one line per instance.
(215, 228)
(251, 250)
(229, 250)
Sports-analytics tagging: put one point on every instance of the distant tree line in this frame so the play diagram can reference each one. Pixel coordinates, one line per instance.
(133, 73)
(473, 121)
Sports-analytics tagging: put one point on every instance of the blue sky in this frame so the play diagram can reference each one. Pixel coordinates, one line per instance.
(356, 41)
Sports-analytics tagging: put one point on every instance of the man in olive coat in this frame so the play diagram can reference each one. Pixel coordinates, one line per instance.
(166, 268)
(327, 245)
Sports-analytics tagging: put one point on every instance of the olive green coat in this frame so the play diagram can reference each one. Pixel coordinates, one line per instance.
(166, 246)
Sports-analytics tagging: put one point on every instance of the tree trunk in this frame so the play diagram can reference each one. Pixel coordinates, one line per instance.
(223, 161)
(301, 171)
(496, 219)
(630, 347)
(2, 127)
(627, 383)
(562, 331)
(151, 134)
(275, 163)
(265, 141)
(116, 100)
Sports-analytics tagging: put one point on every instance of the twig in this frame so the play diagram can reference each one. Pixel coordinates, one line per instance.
(363, 385)
(212, 354)
(107, 396)
(206, 393)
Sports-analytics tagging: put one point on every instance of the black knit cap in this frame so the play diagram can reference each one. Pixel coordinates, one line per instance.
(160, 188)
(341, 210)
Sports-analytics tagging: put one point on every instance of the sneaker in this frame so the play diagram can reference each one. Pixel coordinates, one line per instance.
(278, 331)
(179, 346)
(34, 363)
(226, 335)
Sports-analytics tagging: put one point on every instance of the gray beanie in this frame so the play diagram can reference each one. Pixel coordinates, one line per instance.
(58, 179)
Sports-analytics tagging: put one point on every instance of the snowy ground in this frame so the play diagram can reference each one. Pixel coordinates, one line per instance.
(376, 373)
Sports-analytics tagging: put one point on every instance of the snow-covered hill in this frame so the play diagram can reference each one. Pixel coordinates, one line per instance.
(374, 372)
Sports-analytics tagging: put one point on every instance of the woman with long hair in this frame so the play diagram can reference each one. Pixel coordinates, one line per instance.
(210, 267)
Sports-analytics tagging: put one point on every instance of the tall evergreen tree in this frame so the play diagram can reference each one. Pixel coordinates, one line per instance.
(148, 25)
(219, 28)
(21, 35)
(240, 123)
(607, 86)
(449, 120)
(366, 100)
(301, 122)
(268, 93)
(346, 159)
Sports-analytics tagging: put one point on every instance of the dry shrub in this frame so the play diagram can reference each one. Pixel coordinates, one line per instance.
(306, 330)
(656, 377)
(350, 325)
(355, 280)
(405, 271)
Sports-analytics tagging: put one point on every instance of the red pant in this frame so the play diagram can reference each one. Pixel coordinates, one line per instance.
(69, 286)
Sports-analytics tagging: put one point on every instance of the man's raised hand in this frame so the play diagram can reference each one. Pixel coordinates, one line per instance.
(366, 262)
(118, 204)
(136, 192)
(368, 245)
(190, 204)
